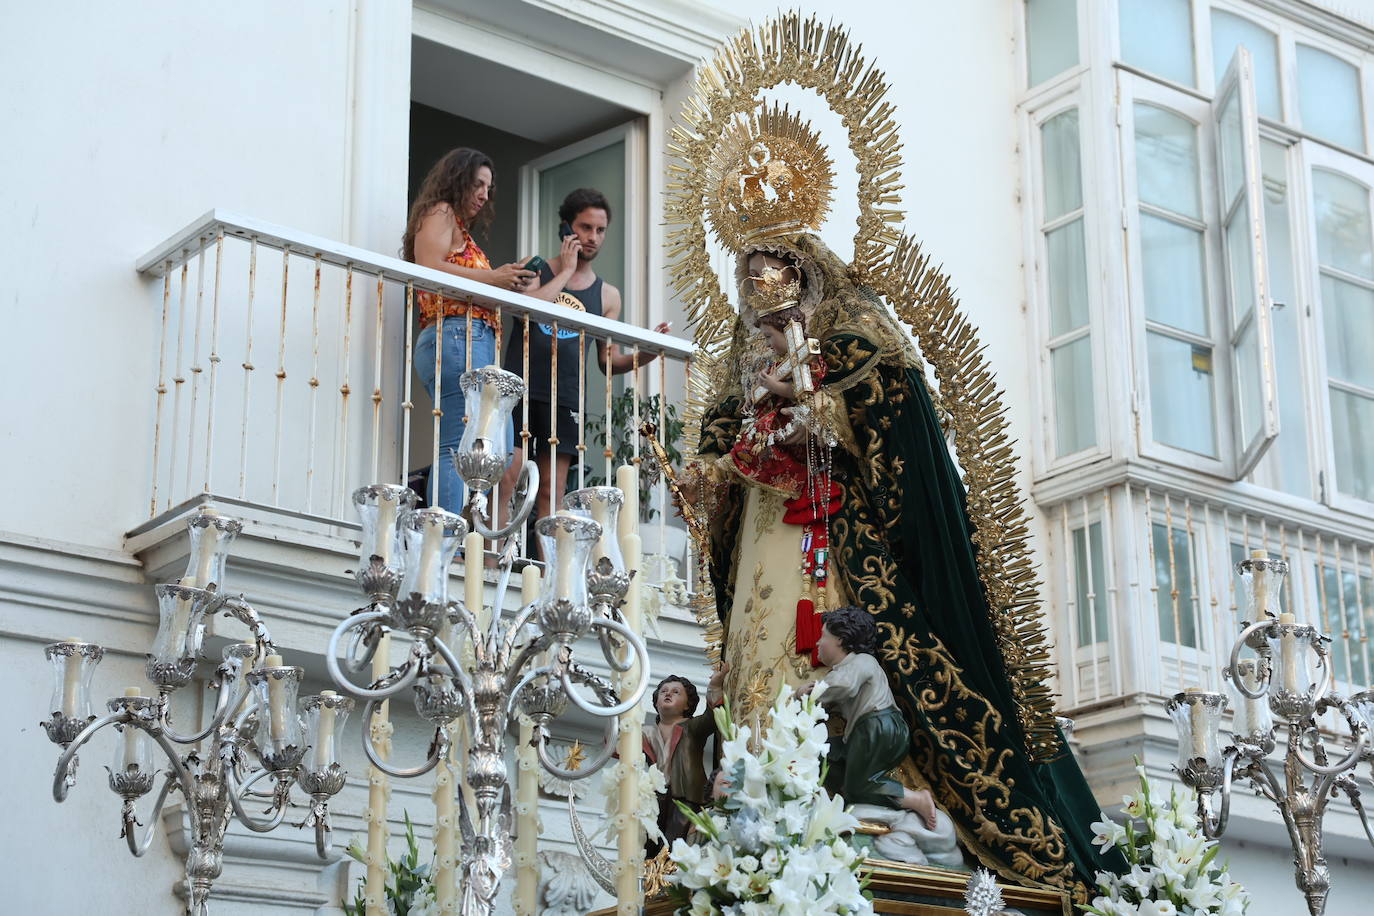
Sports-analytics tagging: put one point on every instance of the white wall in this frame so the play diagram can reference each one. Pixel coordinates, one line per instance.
(122, 130)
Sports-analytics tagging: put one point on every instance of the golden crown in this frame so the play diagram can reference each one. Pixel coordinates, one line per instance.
(772, 178)
(775, 289)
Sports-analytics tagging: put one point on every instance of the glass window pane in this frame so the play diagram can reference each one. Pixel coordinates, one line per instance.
(1348, 317)
(1174, 586)
(1166, 160)
(1228, 31)
(1051, 37)
(1172, 266)
(1072, 368)
(1181, 394)
(1068, 278)
(1063, 171)
(1285, 466)
(1329, 98)
(1352, 429)
(1341, 619)
(1157, 36)
(1091, 592)
(1239, 252)
(1232, 149)
(1343, 236)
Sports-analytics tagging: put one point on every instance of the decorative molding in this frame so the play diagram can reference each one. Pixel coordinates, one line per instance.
(1238, 496)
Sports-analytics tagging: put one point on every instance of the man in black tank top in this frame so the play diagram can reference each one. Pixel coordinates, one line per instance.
(568, 279)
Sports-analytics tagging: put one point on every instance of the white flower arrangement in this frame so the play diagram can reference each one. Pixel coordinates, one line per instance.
(775, 844)
(1174, 871)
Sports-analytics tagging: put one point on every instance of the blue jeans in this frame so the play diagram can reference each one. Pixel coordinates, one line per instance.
(446, 487)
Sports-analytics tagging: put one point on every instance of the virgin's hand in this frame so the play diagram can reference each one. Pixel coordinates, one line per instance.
(511, 276)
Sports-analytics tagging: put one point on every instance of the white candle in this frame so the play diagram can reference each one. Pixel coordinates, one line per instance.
(431, 546)
(487, 416)
(474, 554)
(205, 548)
(526, 822)
(379, 790)
(324, 737)
(71, 682)
(1260, 577)
(131, 734)
(386, 527)
(601, 511)
(1288, 655)
(629, 895)
(276, 700)
(627, 479)
(565, 543)
(1197, 721)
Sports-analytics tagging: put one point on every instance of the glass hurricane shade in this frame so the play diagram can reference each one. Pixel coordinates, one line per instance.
(211, 535)
(566, 541)
(1262, 582)
(73, 665)
(380, 510)
(1197, 716)
(490, 394)
(325, 715)
(277, 688)
(429, 540)
(181, 623)
(602, 505)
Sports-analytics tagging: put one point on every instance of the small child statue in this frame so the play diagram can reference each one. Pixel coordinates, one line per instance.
(876, 737)
(676, 742)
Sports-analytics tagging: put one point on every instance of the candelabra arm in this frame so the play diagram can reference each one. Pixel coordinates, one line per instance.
(1215, 827)
(642, 683)
(363, 639)
(517, 624)
(1358, 730)
(407, 673)
(324, 833)
(141, 843)
(440, 747)
(513, 689)
(587, 769)
(1233, 671)
(278, 809)
(224, 706)
(521, 505)
(1352, 792)
(1321, 644)
(609, 652)
(60, 783)
(237, 607)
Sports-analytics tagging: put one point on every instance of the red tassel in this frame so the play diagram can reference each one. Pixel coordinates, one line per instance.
(808, 626)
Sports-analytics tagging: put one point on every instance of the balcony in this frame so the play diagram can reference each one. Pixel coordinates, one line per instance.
(285, 380)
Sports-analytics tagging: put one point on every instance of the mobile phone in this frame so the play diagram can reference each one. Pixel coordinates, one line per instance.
(564, 230)
(536, 264)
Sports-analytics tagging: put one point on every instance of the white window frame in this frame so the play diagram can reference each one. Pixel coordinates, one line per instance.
(1050, 106)
(1239, 79)
(1133, 90)
(1282, 31)
(1320, 156)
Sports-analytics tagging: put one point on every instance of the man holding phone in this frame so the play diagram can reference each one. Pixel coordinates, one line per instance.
(567, 279)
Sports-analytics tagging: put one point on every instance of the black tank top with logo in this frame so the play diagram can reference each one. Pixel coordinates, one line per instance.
(541, 346)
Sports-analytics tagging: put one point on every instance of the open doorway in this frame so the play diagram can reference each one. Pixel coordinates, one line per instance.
(546, 139)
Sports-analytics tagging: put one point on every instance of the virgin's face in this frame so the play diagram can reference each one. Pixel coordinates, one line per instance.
(478, 194)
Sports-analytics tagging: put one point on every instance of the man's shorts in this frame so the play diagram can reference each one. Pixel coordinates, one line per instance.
(539, 429)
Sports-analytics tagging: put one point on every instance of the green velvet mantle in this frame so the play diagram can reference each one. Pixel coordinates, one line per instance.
(901, 542)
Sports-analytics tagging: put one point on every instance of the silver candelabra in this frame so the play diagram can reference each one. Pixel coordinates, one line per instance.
(1276, 681)
(253, 734)
(466, 665)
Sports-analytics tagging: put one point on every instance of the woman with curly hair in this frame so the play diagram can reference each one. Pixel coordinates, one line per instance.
(453, 201)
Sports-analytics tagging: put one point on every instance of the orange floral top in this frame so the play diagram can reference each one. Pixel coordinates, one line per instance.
(432, 304)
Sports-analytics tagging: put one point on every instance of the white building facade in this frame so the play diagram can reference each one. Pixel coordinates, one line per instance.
(1183, 391)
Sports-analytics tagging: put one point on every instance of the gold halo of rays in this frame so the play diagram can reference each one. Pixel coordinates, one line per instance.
(821, 57)
(797, 166)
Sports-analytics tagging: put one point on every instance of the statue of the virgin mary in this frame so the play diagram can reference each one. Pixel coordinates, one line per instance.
(824, 472)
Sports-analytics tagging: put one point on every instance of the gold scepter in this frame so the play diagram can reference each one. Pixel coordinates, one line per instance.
(704, 598)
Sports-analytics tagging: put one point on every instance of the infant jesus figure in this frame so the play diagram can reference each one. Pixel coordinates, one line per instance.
(876, 738)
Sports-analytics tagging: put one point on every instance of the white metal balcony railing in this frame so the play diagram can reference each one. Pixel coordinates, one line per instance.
(1151, 600)
(285, 372)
